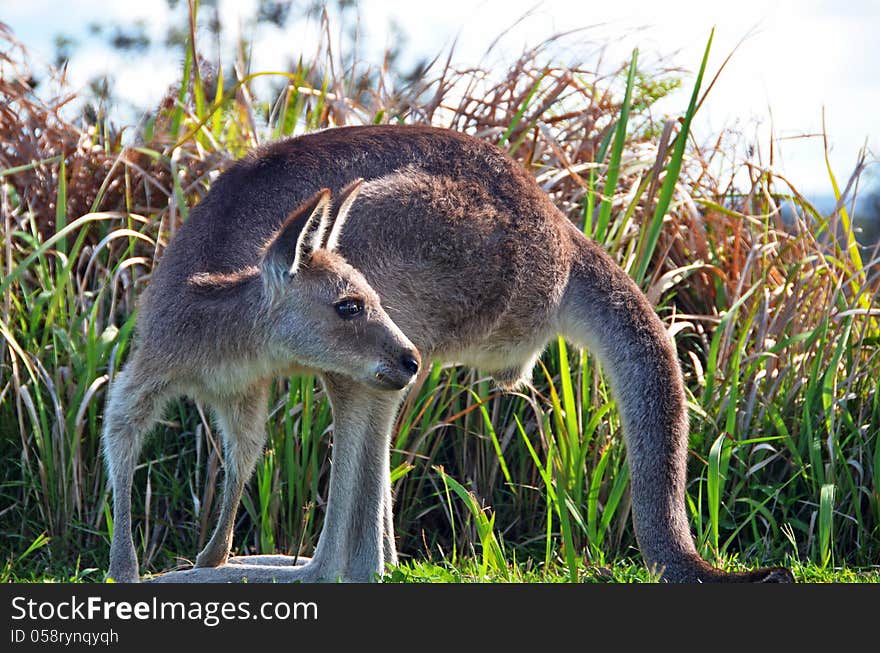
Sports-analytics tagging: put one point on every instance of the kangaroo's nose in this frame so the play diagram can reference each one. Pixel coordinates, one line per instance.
(410, 363)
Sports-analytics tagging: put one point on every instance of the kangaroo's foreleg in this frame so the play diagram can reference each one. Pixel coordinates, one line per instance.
(133, 405)
(242, 422)
(357, 540)
(389, 548)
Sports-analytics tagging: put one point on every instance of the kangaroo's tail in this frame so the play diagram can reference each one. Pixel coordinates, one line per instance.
(604, 311)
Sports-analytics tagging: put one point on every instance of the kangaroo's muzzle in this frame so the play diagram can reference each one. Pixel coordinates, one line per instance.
(396, 375)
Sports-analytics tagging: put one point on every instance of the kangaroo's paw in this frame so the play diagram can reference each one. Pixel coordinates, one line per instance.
(212, 558)
(123, 567)
(248, 572)
(270, 560)
(122, 576)
(236, 573)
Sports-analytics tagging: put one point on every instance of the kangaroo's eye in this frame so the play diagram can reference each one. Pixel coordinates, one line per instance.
(349, 308)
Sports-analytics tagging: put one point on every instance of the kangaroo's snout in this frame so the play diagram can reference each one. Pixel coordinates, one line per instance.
(397, 374)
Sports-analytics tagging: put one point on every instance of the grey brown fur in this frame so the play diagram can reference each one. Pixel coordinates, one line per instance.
(472, 262)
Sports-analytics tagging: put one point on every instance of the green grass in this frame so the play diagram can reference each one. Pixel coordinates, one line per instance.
(470, 570)
(776, 329)
(623, 571)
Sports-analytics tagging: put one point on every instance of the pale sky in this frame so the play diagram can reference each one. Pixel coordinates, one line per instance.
(798, 58)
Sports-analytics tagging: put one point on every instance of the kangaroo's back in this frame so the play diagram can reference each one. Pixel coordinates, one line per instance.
(249, 201)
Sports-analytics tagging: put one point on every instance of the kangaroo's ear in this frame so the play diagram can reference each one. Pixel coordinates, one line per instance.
(345, 200)
(298, 236)
(312, 233)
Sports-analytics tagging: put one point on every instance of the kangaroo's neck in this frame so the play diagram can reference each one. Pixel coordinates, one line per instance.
(234, 309)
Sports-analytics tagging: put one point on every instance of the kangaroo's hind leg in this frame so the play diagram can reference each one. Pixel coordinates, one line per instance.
(133, 405)
(242, 422)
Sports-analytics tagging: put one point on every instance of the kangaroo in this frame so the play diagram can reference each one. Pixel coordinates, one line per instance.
(475, 265)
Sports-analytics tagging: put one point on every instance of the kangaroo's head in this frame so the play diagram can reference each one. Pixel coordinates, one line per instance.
(323, 313)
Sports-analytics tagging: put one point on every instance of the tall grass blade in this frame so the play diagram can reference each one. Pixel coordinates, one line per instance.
(826, 515)
(616, 152)
(493, 554)
(673, 169)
